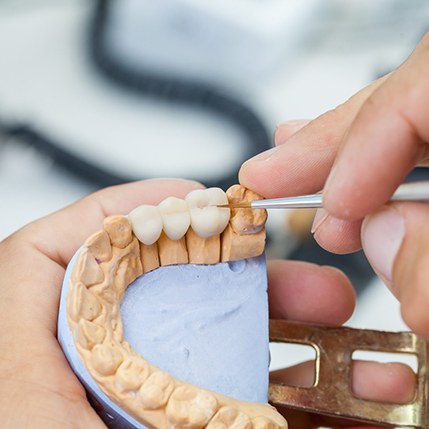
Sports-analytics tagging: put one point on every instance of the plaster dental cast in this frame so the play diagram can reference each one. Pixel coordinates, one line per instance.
(168, 234)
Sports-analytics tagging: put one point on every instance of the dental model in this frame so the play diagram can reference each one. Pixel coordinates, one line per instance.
(189, 231)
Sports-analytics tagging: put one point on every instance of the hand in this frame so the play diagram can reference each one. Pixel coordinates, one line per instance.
(360, 153)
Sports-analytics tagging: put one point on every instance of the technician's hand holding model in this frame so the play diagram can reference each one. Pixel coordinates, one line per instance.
(374, 140)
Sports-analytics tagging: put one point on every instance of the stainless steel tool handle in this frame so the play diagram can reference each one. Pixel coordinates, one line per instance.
(413, 191)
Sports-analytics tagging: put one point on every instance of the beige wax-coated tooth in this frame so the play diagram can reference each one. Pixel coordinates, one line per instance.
(230, 418)
(129, 267)
(108, 295)
(245, 221)
(119, 229)
(86, 269)
(117, 329)
(190, 407)
(73, 303)
(82, 303)
(99, 245)
(254, 410)
(172, 252)
(235, 246)
(132, 373)
(105, 358)
(88, 334)
(149, 257)
(202, 250)
(156, 390)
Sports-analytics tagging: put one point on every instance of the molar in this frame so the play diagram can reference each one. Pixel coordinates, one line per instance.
(147, 223)
(106, 358)
(228, 417)
(156, 390)
(190, 407)
(245, 221)
(208, 220)
(83, 303)
(175, 217)
(89, 334)
(119, 230)
(132, 373)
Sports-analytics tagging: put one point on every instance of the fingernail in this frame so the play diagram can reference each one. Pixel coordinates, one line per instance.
(382, 236)
(287, 129)
(319, 219)
(263, 156)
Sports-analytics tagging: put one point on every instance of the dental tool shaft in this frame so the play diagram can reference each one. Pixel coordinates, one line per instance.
(413, 191)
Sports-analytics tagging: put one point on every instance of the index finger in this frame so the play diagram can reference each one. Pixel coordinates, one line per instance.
(302, 163)
(389, 136)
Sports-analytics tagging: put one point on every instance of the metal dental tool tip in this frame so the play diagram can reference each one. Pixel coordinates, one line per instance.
(413, 191)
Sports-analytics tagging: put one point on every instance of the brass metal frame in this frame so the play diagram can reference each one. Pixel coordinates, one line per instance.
(331, 393)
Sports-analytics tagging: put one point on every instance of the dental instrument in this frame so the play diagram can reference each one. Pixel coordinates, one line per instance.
(413, 191)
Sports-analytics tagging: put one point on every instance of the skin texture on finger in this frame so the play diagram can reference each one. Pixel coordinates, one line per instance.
(300, 375)
(287, 129)
(338, 235)
(328, 295)
(26, 405)
(383, 382)
(387, 139)
(403, 253)
(373, 381)
(38, 388)
(302, 164)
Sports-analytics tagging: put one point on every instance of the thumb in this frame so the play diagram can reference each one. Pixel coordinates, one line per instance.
(395, 240)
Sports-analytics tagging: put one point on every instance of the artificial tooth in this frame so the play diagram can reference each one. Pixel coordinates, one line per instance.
(147, 223)
(208, 220)
(175, 217)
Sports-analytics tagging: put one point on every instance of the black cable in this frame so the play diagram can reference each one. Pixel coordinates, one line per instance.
(174, 89)
(145, 83)
(64, 158)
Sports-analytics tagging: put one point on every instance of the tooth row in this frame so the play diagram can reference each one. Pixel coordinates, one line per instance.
(174, 216)
(98, 282)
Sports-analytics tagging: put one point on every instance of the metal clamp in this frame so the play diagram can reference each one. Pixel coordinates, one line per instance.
(331, 393)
